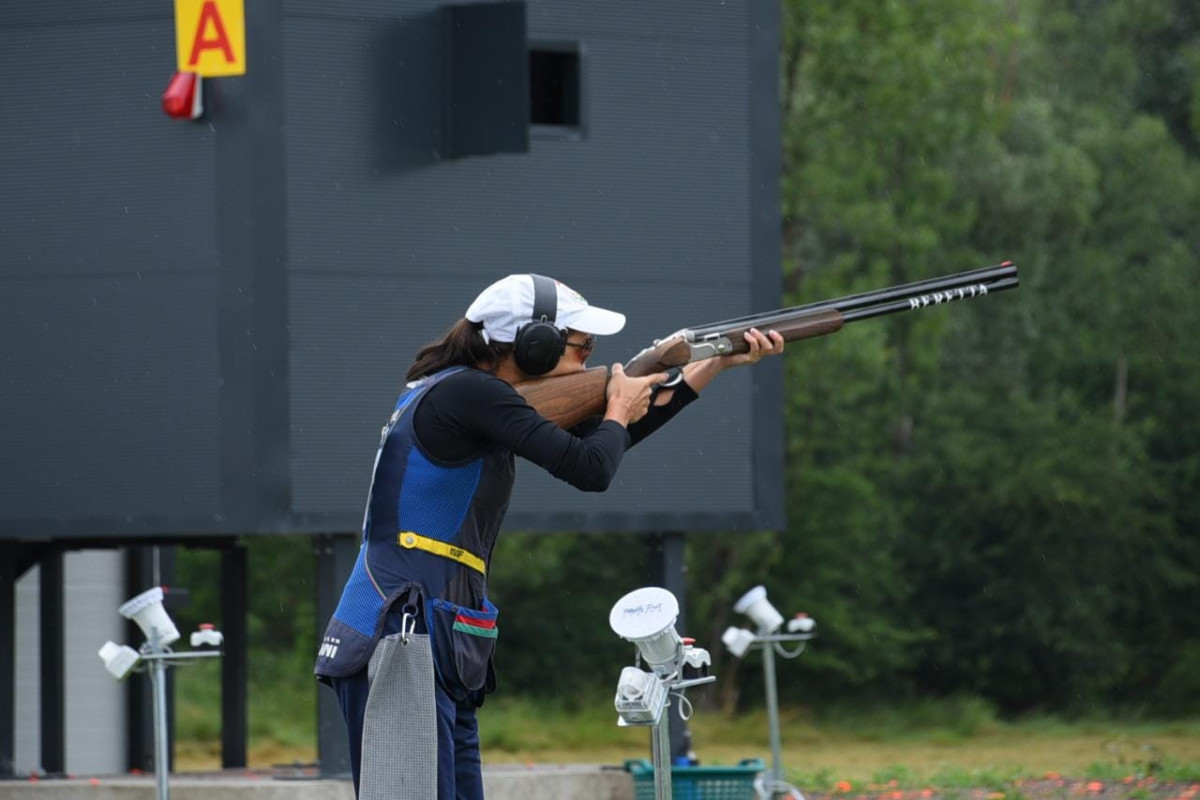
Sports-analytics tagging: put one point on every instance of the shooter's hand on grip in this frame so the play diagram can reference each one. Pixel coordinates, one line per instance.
(629, 398)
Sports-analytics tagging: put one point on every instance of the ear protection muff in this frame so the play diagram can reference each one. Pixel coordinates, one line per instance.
(539, 343)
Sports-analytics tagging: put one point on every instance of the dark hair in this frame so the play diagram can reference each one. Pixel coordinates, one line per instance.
(462, 345)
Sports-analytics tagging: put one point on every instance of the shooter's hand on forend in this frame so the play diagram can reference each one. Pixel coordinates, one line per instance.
(761, 344)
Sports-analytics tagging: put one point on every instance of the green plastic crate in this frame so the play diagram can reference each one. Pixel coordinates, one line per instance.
(699, 783)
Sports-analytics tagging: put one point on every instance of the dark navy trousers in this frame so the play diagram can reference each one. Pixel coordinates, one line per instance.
(458, 766)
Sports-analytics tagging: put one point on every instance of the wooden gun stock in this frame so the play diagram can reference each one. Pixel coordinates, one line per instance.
(568, 400)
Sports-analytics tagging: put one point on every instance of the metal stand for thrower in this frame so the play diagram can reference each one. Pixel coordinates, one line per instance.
(770, 644)
(660, 731)
(157, 658)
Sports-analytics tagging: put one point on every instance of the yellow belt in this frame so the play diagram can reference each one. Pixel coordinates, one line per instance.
(415, 541)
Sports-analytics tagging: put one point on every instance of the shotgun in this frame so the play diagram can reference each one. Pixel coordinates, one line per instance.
(570, 399)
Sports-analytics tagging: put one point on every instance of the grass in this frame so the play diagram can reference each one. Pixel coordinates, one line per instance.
(281, 725)
(951, 744)
(863, 751)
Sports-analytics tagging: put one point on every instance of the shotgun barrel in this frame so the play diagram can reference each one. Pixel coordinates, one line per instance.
(878, 297)
(934, 298)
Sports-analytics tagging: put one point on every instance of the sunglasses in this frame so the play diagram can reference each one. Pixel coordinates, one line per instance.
(585, 347)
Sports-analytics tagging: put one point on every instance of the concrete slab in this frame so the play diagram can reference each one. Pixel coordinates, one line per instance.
(504, 782)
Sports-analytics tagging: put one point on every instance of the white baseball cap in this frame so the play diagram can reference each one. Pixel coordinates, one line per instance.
(507, 304)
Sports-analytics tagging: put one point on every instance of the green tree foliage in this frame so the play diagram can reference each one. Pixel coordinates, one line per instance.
(281, 625)
(554, 593)
(1020, 472)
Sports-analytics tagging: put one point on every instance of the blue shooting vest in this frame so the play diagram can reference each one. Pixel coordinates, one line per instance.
(428, 534)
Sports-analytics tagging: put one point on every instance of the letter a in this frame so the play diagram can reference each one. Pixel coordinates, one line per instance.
(209, 14)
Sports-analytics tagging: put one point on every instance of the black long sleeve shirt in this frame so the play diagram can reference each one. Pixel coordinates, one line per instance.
(472, 411)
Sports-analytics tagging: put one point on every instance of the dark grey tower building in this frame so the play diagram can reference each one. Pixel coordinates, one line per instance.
(204, 323)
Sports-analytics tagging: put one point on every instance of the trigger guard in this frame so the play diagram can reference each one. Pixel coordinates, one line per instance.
(674, 378)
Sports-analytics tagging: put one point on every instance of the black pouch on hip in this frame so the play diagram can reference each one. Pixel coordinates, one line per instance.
(464, 641)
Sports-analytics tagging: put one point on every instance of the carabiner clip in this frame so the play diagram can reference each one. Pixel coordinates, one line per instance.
(408, 625)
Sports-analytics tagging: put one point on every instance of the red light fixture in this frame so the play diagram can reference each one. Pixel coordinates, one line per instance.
(184, 96)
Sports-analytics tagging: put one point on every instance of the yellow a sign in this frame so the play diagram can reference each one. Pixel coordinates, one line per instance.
(210, 37)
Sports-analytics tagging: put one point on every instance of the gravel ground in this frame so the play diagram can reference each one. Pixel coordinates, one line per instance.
(1051, 787)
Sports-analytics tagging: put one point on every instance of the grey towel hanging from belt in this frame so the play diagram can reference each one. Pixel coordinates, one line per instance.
(399, 745)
